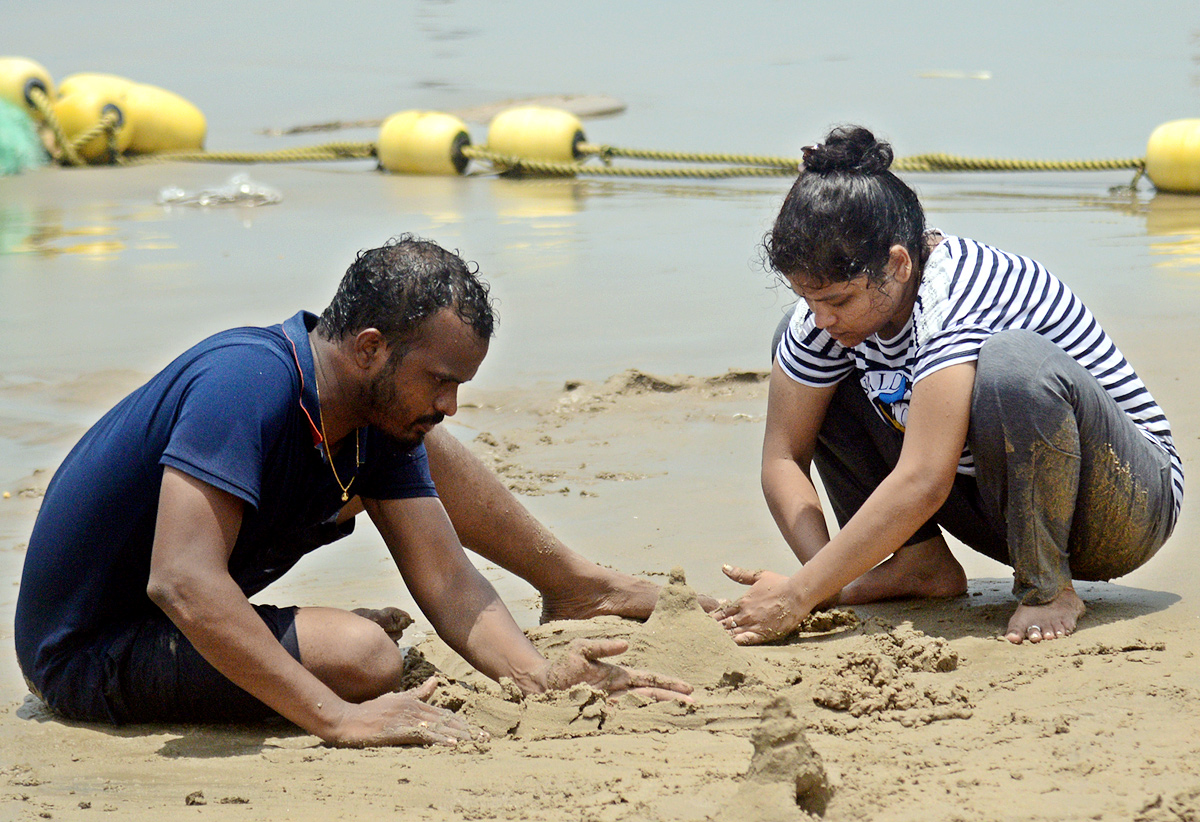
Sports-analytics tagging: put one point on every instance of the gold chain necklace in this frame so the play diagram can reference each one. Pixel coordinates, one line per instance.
(328, 454)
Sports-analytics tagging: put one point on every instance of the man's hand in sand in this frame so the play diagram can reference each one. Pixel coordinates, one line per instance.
(769, 610)
(581, 663)
(402, 719)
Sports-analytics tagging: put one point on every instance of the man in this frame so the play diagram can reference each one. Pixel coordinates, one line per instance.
(257, 446)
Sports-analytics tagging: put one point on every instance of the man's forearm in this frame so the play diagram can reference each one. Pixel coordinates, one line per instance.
(470, 617)
(491, 521)
(224, 628)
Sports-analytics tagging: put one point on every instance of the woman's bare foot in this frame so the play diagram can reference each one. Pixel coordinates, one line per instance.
(605, 592)
(926, 570)
(1055, 619)
(392, 620)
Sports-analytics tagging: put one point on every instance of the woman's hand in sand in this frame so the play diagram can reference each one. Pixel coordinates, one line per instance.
(581, 663)
(403, 719)
(771, 609)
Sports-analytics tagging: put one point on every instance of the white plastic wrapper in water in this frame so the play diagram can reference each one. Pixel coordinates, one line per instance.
(240, 190)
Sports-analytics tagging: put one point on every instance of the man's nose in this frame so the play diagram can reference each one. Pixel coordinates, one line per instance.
(447, 401)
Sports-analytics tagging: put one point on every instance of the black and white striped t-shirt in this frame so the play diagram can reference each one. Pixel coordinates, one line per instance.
(968, 292)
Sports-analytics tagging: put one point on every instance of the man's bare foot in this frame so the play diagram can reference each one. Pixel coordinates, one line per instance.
(926, 570)
(1055, 619)
(392, 620)
(606, 592)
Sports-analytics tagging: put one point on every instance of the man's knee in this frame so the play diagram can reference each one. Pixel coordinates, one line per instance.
(352, 655)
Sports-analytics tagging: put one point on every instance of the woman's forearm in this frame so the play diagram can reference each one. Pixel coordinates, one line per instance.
(793, 501)
(890, 515)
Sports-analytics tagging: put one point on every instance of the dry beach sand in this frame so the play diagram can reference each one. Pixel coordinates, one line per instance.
(907, 710)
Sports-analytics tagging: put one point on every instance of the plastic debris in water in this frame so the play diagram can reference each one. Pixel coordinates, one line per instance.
(240, 190)
(955, 75)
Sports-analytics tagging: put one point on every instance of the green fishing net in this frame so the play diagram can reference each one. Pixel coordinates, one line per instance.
(20, 147)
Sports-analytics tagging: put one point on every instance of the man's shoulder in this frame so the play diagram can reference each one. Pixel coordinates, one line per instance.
(248, 349)
(239, 371)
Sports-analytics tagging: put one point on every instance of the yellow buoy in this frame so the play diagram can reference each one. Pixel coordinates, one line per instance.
(94, 82)
(83, 100)
(18, 76)
(161, 120)
(536, 133)
(1173, 157)
(423, 142)
(150, 119)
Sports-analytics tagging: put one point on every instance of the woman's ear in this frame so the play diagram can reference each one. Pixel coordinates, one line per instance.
(901, 263)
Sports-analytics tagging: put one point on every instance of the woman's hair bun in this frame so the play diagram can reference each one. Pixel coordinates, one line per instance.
(849, 149)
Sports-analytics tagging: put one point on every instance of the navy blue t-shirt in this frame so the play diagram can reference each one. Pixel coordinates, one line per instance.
(238, 411)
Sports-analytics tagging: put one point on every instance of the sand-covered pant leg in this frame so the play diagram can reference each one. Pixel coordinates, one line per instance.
(1080, 491)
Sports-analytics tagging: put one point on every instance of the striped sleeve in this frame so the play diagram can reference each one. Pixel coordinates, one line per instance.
(809, 355)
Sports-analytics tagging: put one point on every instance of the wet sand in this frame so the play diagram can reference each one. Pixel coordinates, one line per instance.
(905, 710)
(902, 711)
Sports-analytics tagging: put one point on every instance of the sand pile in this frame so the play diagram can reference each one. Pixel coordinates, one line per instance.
(895, 677)
(681, 640)
(785, 775)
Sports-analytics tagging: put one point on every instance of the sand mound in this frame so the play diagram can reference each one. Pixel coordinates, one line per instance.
(895, 678)
(785, 775)
(681, 640)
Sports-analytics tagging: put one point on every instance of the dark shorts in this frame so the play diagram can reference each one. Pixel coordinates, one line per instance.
(149, 672)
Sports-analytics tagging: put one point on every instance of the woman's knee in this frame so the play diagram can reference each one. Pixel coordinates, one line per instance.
(1023, 386)
(1015, 364)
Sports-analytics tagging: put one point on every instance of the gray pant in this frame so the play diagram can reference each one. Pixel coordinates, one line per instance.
(1067, 487)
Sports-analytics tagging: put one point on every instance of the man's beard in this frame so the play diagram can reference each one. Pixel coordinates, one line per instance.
(380, 400)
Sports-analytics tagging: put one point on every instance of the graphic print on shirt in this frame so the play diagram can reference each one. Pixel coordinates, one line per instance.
(889, 393)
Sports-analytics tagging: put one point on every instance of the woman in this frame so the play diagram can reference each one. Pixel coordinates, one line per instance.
(940, 383)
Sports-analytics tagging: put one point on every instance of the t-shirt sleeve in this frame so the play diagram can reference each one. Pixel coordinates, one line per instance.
(395, 471)
(232, 409)
(947, 332)
(809, 355)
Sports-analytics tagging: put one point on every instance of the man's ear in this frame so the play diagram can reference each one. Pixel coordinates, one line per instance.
(900, 262)
(370, 349)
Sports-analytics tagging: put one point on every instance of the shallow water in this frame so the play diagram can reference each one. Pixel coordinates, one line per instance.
(593, 277)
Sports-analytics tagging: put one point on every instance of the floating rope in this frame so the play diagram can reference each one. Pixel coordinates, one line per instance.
(326, 151)
(108, 127)
(950, 162)
(67, 153)
(746, 165)
(931, 162)
(736, 165)
(522, 166)
(606, 153)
